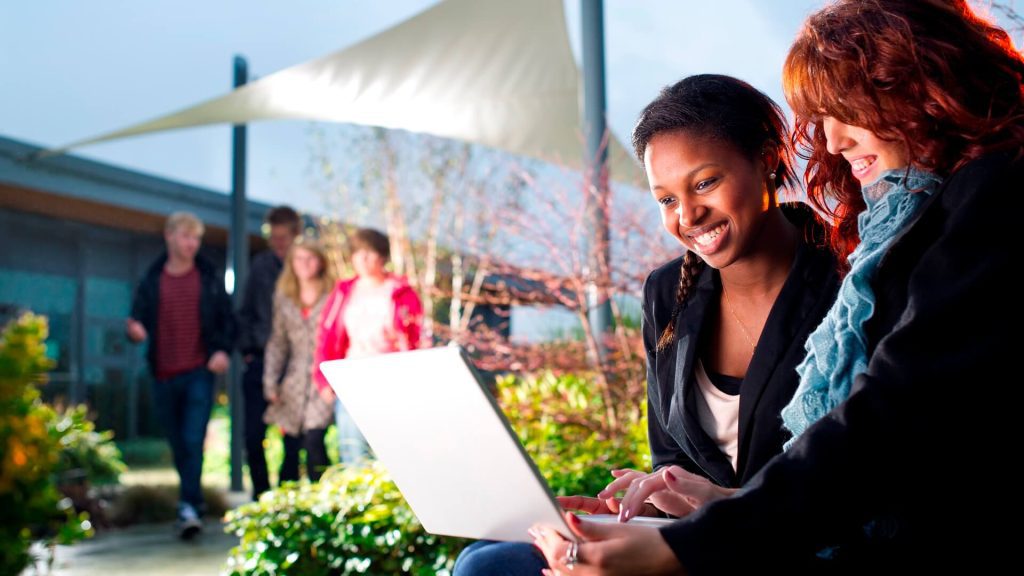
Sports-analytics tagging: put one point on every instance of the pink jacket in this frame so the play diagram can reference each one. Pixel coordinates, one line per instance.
(333, 342)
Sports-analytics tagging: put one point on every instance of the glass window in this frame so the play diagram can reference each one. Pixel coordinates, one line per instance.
(42, 293)
(48, 294)
(107, 298)
(111, 361)
(108, 398)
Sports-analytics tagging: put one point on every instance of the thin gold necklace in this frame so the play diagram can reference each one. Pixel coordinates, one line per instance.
(743, 327)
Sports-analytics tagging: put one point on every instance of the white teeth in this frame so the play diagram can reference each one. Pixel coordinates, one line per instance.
(861, 164)
(709, 236)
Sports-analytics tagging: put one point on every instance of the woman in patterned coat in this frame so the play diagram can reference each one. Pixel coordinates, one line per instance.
(295, 405)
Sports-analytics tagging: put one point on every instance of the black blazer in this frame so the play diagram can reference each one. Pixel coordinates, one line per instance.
(908, 469)
(674, 430)
(256, 316)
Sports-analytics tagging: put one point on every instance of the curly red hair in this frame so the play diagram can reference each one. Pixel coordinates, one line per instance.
(930, 74)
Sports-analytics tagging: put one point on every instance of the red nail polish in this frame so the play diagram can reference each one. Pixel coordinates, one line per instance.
(670, 476)
(574, 519)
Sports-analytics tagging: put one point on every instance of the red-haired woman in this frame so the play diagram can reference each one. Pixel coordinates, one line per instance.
(912, 119)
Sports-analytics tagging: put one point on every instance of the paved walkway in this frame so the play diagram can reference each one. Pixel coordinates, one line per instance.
(151, 549)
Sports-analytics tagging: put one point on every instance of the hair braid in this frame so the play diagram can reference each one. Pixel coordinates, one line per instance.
(691, 268)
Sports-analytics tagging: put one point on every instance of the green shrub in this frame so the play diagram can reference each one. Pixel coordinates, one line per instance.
(84, 449)
(354, 521)
(31, 508)
(561, 422)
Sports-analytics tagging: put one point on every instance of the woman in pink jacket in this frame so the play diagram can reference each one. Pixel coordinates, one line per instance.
(372, 313)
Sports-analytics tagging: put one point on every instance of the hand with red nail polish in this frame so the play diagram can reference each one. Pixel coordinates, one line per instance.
(672, 490)
(607, 550)
(589, 505)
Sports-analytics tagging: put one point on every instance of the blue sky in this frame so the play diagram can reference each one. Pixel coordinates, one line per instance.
(76, 69)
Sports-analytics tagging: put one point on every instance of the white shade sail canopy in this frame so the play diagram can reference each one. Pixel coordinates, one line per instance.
(494, 72)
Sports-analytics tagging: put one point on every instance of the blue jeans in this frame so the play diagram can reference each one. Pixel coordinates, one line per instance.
(499, 559)
(184, 403)
(351, 444)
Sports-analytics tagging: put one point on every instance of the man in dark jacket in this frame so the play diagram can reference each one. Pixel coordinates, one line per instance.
(181, 307)
(254, 319)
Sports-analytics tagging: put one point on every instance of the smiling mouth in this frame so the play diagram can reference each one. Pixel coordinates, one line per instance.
(861, 165)
(709, 236)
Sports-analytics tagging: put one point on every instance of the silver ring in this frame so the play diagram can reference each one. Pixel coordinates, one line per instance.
(571, 554)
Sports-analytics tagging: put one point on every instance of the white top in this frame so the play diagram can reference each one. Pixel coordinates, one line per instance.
(369, 320)
(719, 414)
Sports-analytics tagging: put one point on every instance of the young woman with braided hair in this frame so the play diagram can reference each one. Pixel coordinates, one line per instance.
(724, 324)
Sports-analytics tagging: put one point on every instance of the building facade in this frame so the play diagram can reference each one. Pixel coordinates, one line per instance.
(75, 238)
(77, 235)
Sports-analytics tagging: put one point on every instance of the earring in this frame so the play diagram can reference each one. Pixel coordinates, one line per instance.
(772, 176)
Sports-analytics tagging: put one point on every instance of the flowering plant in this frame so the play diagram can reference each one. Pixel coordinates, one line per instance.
(31, 507)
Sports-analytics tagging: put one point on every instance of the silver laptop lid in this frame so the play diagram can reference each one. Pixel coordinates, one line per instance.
(432, 423)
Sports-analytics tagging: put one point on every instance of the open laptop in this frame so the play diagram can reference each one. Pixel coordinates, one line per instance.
(432, 423)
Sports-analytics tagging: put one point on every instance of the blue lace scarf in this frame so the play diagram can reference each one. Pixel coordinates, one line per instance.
(837, 349)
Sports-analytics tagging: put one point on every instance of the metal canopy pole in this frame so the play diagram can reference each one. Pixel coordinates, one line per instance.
(238, 262)
(596, 175)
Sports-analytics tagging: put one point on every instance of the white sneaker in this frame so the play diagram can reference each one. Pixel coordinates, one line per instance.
(189, 523)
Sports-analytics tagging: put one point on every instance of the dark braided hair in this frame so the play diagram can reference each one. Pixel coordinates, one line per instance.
(692, 265)
(727, 110)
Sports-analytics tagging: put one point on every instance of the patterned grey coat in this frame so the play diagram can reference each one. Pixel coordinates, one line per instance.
(288, 366)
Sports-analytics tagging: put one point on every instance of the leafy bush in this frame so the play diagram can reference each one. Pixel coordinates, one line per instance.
(562, 423)
(84, 449)
(354, 521)
(30, 443)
